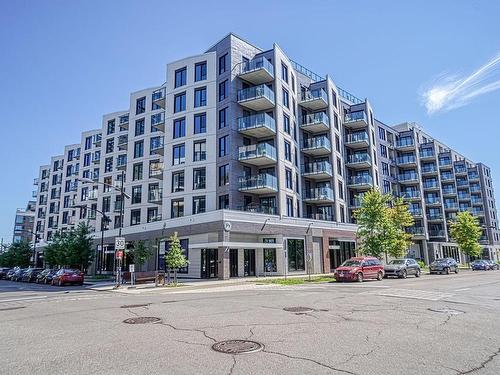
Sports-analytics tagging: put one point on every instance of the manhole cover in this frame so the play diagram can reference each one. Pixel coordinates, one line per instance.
(448, 311)
(133, 306)
(298, 309)
(237, 346)
(12, 308)
(142, 320)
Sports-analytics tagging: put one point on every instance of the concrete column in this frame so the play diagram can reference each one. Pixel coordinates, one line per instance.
(223, 259)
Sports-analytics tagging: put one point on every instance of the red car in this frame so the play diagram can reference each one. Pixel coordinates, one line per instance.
(359, 269)
(67, 276)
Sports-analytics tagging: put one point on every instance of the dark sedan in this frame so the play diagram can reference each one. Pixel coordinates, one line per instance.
(31, 274)
(480, 265)
(3, 273)
(402, 268)
(11, 273)
(444, 265)
(493, 265)
(18, 275)
(45, 277)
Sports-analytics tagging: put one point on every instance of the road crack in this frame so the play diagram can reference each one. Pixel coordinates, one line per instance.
(482, 365)
(189, 330)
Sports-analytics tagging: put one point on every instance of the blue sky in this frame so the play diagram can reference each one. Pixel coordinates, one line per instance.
(66, 63)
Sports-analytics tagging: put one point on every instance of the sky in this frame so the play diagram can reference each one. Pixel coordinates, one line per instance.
(63, 64)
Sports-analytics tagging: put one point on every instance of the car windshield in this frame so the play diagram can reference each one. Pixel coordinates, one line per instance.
(397, 261)
(351, 263)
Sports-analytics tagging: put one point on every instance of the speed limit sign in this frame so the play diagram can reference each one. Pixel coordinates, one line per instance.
(119, 243)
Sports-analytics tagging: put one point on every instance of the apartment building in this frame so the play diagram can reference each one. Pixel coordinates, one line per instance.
(24, 222)
(258, 164)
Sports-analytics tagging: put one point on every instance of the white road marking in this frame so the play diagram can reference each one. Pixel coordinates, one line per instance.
(463, 289)
(414, 294)
(23, 299)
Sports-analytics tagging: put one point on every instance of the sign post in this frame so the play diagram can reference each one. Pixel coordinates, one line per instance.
(119, 249)
(131, 269)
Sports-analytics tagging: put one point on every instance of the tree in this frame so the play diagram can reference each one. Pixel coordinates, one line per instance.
(174, 257)
(55, 253)
(141, 252)
(466, 231)
(401, 219)
(18, 254)
(79, 245)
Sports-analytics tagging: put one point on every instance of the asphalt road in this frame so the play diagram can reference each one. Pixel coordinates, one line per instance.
(433, 325)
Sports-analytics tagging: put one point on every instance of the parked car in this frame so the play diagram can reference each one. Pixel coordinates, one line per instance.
(30, 275)
(359, 269)
(67, 276)
(11, 273)
(402, 268)
(493, 265)
(18, 275)
(45, 277)
(444, 265)
(479, 265)
(3, 272)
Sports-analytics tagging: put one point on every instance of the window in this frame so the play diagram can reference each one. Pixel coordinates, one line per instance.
(385, 169)
(284, 73)
(223, 90)
(177, 181)
(86, 159)
(111, 127)
(341, 190)
(180, 77)
(381, 133)
(200, 71)
(136, 194)
(199, 150)
(139, 149)
(337, 143)
(222, 118)
(270, 264)
(223, 146)
(110, 145)
(180, 102)
(153, 214)
(336, 121)
(135, 217)
(222, 63)
(288, 179)
(140, 105)
(339, 166)
(286, 99)
(286, 124)
(383, 151)
(139, 127)
(200, 123)
(200, 97)
(106, 204)
(179, 128)
(334, 99)
(88, 143)
(288, 151)
(199, 205)
(179, 156)
(177, 208)
(199, 177)
(108, 164)
(295, 255)
(137, 172)
(224, 175)
(223, 202)
(289, 206)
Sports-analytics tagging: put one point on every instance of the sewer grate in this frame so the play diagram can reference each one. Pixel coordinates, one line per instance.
(237, 346)
(448, 311)
(133, 306)
(12, 308)
(142, 320)
(298, 309)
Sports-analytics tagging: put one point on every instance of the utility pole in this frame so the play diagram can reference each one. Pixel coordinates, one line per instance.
(122, 206)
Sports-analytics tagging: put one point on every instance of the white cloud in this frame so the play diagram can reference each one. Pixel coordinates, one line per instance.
(451, 91)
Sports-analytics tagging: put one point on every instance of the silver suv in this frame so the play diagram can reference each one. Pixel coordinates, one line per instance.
(402, 268)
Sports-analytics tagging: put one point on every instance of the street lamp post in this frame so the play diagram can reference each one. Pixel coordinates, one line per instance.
(35, 233)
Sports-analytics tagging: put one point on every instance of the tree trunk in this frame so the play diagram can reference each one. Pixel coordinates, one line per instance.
(175, 277)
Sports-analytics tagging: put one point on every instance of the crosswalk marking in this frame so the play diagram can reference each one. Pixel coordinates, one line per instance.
(413, 294)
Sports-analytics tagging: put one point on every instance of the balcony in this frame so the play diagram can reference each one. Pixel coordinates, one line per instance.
(445, 163)
(257, 71)
(415, 212)
(316, 146)
(432, 201)
(314, 100)
(34, 194)
(257, 98)
(483, 239)
(451, 206)
(357, 140)
(460, 170)
(258, 209)
(434, 217)
(96, 159)
(408, 178)
(406, 161)
(259, 184)
(96, 140)
(437, 233)
(158, 97)
(355, 203)
(95, 176)
(123, 121)
(156, 170)
(156, 146)
(155, 196)
(463, 197)
(35, 181)
(476, 200)
(427, 154)
(259, 125)
(316, 122)
(355, 120)
(43, 200)
(416, 231)
(359, 160)
(92, 195)
(473, 176)
(431, 185)
(320, 216)
(317, 170)
(429, 169)
(153, 218)
(360, 182)
(158, 121)
(260, 154)
(477, 212)
(122, 142)
(318, 195)
(475, 188)
(405, 143)
(410, 195)
(121, 162)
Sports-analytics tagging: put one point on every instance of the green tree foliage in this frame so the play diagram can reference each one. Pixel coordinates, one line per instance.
(17, 254)
(174, 257)
(466, 231)
(382, 220)
(141, 252)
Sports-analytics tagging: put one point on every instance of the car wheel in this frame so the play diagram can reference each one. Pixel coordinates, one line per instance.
(447, 271)
(60, 283)
(456, 269)
(417, 274)
(404, 274)
(359, 277)
(380, 275)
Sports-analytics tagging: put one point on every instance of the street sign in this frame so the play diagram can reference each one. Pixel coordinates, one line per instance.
(119, 243)
(131, 267)
(119, 254)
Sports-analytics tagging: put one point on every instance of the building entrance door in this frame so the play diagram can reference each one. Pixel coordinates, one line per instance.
(233, 262)
(249, 262)
(209, 268)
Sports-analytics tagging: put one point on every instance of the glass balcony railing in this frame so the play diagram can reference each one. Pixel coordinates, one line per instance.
(256, 64)
(434, 217)
(405, 142)
(361, 180)
(437, 233)
(257, 121)
(259, 209)
(123, 120)
(309, 95)
(260, 181)
(431, 185)
(451, 205)
(429, 169)
(473, 176)
(445, 162)
(155, 195)
(158, 94)
(462, 183)
(359, 158)
(416, 231)
(156, 144)
(460, 169)
(357, 137)
(476, 200)
(315, 119)
(355, 202)
(415, 211)
(355, 117)
(463, 196)
(475, 189)
(256, 92)
(447, 177)
(317, 142)
(427, 153)
(256, 151)
(317, 167)
(410, 194)
(408, 159)
(323, 193)
(432, 200)
(325, 216)
(158, 119)
(408, 177)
